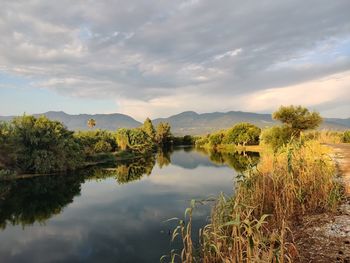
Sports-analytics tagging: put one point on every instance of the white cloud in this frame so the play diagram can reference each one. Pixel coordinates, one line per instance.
(160, 56)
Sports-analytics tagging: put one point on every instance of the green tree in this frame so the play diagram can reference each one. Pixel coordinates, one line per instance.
(44, 146)
(149, 128)
(163, 133)
(297, 118)
(96, 141)
(243, 133)
(7, 147)
(216, 139)
(277, 136)
(91, 123)
(134, 140)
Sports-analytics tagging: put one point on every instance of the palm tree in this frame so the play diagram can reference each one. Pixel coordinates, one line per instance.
(91, 123)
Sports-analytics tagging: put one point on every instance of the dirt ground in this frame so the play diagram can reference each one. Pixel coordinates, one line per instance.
(326, 237)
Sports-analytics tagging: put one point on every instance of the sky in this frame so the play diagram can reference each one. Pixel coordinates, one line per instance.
(155, 58)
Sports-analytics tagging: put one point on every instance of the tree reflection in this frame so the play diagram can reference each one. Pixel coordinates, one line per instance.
(127, 172)
(163, 157)
(24, 202)
(239, 161)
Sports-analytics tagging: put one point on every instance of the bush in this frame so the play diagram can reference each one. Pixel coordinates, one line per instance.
(134, 140)
(102, 147)
(202, 141)
(243, 133)
(44, 146)
(216, 139)
(96, 141)
(276, 136)
(346, 136)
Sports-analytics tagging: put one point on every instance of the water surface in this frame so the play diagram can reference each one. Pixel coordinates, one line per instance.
(110, 216)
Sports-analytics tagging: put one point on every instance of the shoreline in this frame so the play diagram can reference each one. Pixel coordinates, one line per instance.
(325, 237)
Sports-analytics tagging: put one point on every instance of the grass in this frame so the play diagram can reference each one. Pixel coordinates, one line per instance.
(253, 225)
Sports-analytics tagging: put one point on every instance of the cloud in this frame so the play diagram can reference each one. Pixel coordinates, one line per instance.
(150, 54)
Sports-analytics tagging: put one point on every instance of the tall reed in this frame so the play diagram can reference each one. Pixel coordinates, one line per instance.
(253, 225)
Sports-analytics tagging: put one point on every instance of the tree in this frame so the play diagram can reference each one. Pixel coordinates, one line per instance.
(96, 141)
(216, 138)
(134, 140)
(91, 123)
(149, 128)
(44, 146)
(243, 133)
(277, 136)
(163, 133)
(297, 118)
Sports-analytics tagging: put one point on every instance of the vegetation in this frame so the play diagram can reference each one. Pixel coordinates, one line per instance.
(253, 225)
(134, 140)
(295, 176)
(91, 123)
(97, 141)
(240, 134)
(148, 128)
(297, 118)
(346, 136)
(276, 136)
(243, 133)
(39, 145)
(163, 134)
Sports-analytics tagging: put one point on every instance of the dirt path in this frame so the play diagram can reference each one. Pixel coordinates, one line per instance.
(326, 237)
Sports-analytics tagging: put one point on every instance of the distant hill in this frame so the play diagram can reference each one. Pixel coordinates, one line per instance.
(188, 122)
(79, 122)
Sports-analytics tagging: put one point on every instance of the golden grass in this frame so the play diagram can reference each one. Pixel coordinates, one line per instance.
(253, 225)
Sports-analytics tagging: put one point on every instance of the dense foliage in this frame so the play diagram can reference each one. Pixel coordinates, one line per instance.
(243, 133)
(240, 134)
(163, 134)
(134, 139)
(39, 145)
(346, 136)
(97, 141)
(276, 136)
(297, 118)
(149, 128)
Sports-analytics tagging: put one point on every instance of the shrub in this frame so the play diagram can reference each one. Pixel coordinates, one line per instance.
(134, 139)
(276, 136)
(216, 139)
(243, 133)
(346, 136)
(96, 141)
(44, 146)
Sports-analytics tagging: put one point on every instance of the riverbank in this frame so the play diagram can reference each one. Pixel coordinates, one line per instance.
(325, 237)
(97, 159)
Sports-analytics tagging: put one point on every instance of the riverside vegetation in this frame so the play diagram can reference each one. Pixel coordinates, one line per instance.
(41, 146)
(295, 177)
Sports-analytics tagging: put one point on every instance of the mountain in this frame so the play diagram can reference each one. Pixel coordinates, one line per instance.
(188, 122)
(79, 122)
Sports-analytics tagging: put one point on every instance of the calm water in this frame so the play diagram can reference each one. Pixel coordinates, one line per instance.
(110, 216)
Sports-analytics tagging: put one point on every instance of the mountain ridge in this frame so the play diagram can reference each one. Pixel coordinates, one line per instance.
(187, 122)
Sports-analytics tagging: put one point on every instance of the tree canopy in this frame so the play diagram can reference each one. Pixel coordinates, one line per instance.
(163, 134)
(42, 146)
(149, 128)
(243, 133)
(297, 118)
